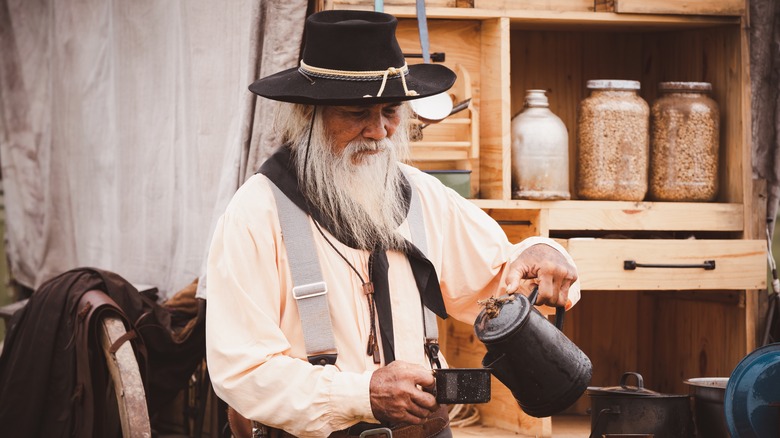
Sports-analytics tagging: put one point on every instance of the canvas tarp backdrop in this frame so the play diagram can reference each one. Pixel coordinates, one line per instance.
(126, 125)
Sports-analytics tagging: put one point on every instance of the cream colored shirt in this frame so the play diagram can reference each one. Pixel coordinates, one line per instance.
(255, 349)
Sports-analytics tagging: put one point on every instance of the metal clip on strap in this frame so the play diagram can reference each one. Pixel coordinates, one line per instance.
(377, 432)
(432, 350)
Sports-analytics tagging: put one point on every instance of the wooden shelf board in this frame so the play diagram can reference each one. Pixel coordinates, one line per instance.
(625, 215)
(549, 19)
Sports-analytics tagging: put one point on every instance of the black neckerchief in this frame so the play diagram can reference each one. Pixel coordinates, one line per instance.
(280, 169)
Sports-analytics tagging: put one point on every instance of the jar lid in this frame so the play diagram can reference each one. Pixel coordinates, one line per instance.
(612, 84)
(685, 86)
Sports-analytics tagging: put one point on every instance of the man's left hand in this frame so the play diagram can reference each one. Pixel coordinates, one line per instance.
(548, 268)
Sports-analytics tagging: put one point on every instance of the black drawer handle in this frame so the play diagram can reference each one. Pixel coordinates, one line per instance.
(630, 265)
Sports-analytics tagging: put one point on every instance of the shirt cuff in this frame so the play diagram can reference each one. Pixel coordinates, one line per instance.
(350, 391)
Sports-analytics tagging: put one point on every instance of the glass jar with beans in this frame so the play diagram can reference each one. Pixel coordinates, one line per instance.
(612, 142)
(684, 139)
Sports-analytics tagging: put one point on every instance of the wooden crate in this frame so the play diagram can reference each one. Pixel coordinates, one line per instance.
(666, 329)
(452, 143)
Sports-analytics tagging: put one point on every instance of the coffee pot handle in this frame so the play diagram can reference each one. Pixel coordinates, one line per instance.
(560, 311)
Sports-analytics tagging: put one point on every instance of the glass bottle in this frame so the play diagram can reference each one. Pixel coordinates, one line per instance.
(540, 151)
(684, 139)
(612, 142)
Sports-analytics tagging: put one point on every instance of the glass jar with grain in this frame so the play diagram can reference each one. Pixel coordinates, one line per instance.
(684, 139)
(612, 142)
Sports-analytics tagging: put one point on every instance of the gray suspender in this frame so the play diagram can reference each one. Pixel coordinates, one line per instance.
(417, 229)
(309, 289)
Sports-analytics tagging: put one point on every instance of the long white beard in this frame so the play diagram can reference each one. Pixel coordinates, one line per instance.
(362, 199)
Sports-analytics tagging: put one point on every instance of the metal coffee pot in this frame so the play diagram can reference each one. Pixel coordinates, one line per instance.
(545, 371)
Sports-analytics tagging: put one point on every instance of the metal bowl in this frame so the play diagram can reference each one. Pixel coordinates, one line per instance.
(709, 414)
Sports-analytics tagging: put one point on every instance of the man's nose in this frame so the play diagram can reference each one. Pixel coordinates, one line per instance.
(375, 128)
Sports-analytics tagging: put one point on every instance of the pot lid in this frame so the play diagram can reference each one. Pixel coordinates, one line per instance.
(685, 86)
(752, 399)
(612, 84)
(625, 389)
(708, 382)
(501, 317)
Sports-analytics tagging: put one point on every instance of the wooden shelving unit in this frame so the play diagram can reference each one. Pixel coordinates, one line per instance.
(666, 324)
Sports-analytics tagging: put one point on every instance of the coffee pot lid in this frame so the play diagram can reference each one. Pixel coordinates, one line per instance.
(501, 317)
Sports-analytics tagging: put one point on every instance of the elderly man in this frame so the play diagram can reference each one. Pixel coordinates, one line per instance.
(344, 128)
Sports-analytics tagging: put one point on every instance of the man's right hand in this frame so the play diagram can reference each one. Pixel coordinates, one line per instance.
(397, 395)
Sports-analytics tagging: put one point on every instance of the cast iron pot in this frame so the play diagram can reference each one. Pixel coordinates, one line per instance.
(629, 409)
(545, 371)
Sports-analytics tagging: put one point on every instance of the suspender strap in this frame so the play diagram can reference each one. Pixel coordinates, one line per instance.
(417, 230)
(309, 289)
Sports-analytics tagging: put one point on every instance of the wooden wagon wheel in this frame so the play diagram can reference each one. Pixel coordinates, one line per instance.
(126, 377)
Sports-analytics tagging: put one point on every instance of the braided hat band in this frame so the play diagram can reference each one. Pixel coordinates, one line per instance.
(366, 75)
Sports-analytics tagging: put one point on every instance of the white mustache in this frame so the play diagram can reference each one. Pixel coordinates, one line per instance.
(368, 146)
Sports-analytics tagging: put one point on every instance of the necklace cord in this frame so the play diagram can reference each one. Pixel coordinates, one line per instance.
(372, 349)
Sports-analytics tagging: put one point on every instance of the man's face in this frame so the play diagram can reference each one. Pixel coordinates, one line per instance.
(361, 123)
(351, 170)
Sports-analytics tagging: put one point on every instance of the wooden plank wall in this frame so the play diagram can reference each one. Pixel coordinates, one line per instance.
(495, 180)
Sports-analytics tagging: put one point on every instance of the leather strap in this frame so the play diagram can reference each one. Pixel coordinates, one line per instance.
(129, 335)
(436, 424)
(91, 305)
(240, 426)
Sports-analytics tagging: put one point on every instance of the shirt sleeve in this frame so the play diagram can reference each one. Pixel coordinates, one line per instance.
(248, 352)
(470, 250)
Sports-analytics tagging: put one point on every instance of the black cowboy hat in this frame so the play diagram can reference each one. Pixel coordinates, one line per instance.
(353, 58)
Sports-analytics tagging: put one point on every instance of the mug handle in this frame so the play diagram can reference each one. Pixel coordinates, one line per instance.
(560, 311)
